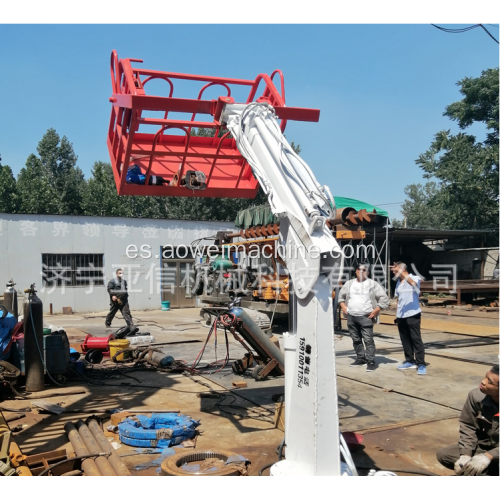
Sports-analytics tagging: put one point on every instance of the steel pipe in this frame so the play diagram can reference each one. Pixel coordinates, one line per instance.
(114, 459)
(88, 465)
(257, 339)
(72, 473)
(344, 216)
(102, 463)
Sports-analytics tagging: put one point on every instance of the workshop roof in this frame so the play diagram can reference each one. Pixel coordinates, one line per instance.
(262, 215)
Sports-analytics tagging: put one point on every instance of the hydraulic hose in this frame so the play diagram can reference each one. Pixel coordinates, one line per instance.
(89, 455)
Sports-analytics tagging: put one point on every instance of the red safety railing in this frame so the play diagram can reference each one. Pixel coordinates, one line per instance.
(169, 156)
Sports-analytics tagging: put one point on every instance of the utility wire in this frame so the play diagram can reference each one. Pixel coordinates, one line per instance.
(491, 36)
(463, 30)
(456, 30)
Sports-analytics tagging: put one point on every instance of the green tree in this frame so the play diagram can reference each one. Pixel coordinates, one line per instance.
(423, 208)
(397, 223)
(58, 160)
(100, 197)
(466, 170)
(8, 190)
(36, 194)
(296, 147)
(149, 207)
(480, 104)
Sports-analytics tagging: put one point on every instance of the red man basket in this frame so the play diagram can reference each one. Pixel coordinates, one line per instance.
(174, 152)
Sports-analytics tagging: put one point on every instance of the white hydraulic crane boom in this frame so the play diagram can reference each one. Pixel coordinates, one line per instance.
(313, 256)
(313, 441)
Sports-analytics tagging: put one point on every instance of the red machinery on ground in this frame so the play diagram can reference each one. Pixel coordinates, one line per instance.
(100, 344)
(175, 158)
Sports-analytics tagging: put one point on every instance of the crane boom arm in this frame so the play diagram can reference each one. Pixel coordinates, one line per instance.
(313, 256)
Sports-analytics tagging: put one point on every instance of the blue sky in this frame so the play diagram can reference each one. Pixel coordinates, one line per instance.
(381, 89)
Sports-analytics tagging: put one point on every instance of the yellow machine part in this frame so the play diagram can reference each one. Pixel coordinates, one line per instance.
(17, 459)
(350, 235)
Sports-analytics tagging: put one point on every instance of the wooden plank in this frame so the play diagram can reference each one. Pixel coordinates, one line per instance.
(449, 327)
(487, 313)
(239, 385)
(485, 285)
(279, 416)
(50, 456)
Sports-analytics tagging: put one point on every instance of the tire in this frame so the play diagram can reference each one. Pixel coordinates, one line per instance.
(207, 320)
(256, 373)
(122, 332)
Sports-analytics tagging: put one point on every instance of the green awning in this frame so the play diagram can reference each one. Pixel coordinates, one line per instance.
(358, 205)
(262, 215)
(255, 216)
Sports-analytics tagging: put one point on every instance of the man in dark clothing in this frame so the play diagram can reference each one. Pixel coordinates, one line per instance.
(476, 453)
(117, 289)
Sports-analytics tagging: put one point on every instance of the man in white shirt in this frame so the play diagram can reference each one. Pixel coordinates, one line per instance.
(361, 301)
(408, 318)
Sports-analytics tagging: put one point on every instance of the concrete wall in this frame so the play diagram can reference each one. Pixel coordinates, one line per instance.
(24, 238)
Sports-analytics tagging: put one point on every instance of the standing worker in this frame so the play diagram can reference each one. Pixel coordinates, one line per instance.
(476, 453)
(361, 300)
(408, 318)
(117, 289)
